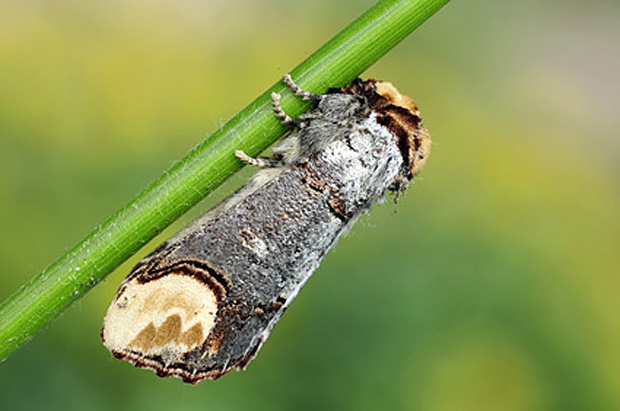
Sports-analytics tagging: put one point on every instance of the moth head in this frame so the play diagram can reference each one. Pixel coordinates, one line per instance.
(401, 116)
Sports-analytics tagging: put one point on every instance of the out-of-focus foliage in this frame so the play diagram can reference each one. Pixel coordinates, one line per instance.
(493, 284)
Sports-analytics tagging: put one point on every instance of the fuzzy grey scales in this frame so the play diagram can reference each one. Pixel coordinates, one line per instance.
(227, 278)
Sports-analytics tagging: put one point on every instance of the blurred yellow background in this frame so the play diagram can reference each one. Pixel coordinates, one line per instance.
(493, 284)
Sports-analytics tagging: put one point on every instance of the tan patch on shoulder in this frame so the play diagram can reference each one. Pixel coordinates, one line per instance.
(401, 116)
(391, 95)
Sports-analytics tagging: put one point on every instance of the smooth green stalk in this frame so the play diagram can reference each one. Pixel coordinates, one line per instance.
(335, 64)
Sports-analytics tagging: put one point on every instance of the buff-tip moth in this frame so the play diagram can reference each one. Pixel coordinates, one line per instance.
(204, 302)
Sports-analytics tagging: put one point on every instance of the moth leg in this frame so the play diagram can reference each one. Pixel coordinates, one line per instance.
(305, 95)
(288, 149)
(260, 162)
(277, 108)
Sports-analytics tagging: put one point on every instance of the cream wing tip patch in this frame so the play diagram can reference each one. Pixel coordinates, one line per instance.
(174, 313)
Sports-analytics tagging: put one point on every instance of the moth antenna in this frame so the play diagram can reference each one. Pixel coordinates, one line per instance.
(305, 95)
(277, 108)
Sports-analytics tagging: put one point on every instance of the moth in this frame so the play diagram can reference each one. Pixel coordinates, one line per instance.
(204, 302)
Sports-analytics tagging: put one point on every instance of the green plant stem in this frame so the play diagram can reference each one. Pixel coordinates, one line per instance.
(335, 64)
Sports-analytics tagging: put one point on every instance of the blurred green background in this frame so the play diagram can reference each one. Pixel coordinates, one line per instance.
(494, 284)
